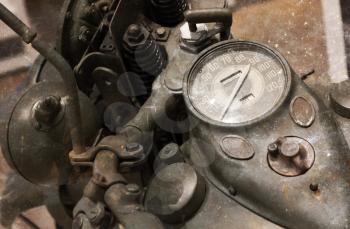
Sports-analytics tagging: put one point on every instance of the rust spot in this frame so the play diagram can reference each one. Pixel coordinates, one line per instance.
(285, 190)
(317, 194)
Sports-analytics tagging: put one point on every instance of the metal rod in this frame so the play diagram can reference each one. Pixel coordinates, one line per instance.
(222, 15)
(337, 62)
(66, 73)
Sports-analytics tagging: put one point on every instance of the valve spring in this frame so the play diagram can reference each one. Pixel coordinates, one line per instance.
(169, 12)
(147, 59)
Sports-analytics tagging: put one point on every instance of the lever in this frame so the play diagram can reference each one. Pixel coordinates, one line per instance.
(219, 15)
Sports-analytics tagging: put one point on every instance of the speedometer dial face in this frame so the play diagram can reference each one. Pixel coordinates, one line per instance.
(237, 83)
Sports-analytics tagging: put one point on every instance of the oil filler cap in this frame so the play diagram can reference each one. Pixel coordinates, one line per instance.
(175, 193)
(290, 156)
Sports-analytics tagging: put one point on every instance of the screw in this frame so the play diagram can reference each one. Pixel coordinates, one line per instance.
(52, 103)
(46, 110)
(169, 151)
(134, 150)
(161, 32)
(132, 188)
(272, 147)
(84, 34)
(314, 187)
(232, 191)
(130, 147)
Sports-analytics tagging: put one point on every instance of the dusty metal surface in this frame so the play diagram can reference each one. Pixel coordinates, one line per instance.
(295, 28)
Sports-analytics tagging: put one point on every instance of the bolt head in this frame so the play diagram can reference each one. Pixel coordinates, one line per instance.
(136, 34)
(132, 188)
(132, 146)
(169, 151)
(47, 109)
(314, 187)
(161, 32)
(134, 30)
(232, 191)
(51, 103)
(273, 147)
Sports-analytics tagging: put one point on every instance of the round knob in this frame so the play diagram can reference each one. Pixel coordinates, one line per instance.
(290, 156)
(290, 149)
(175, 193)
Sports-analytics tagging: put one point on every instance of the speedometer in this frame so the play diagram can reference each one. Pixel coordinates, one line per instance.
(235, 83)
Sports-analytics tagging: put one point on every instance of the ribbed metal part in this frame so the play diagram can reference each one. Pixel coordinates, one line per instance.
(145, 58)
(169, 12)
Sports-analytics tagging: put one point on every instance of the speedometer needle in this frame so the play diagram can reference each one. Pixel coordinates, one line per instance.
(237, 88)
(230, 76)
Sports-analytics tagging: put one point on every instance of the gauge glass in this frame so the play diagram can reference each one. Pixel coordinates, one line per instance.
(237, 83)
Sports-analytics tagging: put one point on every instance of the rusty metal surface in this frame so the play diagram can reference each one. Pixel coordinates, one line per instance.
(295, 28)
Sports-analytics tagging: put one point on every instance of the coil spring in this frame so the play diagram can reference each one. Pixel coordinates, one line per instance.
(169, 12)
(143, 56)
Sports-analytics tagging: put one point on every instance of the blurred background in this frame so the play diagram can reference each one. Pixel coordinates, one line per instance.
(309, 33)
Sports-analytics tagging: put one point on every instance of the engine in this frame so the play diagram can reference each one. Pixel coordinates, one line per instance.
(152, 114)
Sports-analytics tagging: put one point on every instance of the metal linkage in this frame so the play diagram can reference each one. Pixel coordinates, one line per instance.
(108, 187)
